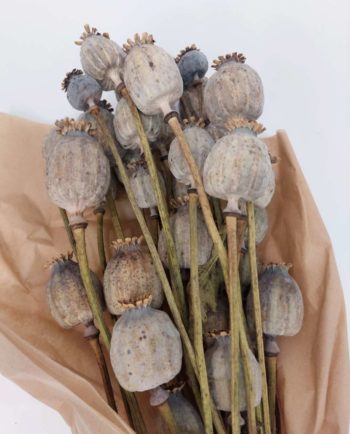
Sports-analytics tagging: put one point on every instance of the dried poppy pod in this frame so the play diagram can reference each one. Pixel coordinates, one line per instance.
(141, 185)
(234, 90)
(101, 58)
(200, 143)
(146, 348)
(180, 228)
(125, 129)
(130, 275)
(261, 223)
(70, 185)
(216, 132)
(186, 416)
(219, 374)
(238, 166)
(151, 76)
(191, 103)
(83, 91)
(66, 293)
(193, 65)
(281, 301)
(179, 188)
(265, 199)
(106, 112)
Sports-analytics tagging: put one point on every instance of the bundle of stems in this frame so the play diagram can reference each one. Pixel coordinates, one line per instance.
(174, 290)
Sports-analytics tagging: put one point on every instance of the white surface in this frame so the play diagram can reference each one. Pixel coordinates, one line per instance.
(301, 49)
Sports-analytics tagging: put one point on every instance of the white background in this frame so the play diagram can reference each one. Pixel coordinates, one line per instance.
(301, 49)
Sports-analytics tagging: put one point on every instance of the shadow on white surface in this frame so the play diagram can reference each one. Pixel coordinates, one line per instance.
(20, 413)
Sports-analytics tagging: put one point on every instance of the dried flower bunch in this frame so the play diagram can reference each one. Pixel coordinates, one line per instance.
(185, 147)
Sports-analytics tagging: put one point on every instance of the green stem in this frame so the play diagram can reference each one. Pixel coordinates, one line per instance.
(68, 230)
(197, 315)
(114, 215)
(174, 266)
(271, 363)
(100, 240)
(156, 260)
(168, 418)
(231, 225)
(257, 314)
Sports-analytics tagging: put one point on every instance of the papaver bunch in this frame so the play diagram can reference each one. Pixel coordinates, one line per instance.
(185, 149)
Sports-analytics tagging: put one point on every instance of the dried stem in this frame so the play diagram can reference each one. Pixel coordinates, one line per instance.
(271, 362)
(114, 215)
(203, 199)
(68, 230)
(131, 407)
(174, 266)
(157, 262)
(100, 240)
(197, 315)
(257, 314)
(231, 225)
(92, 337)
(167, 415)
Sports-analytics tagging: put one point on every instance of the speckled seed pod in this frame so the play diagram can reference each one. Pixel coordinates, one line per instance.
(179, 188)
(130, 276)
(238, 166)
(180, 228)
(151, 76)
(234, 90)
(146, 349)
(200, 143)
(193, 65)
(125, 129)
(261, 223)
(281, 301)
(141, 184)
(66, 293)
(218, 363)
(83, 91)
(106, 112)
(77, 171)
(101, 58)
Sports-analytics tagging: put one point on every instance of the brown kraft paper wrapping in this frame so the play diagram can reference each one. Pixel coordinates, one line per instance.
(57, 366)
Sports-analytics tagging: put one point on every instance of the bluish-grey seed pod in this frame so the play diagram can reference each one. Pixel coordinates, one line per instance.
(83, 91)
(193, 65)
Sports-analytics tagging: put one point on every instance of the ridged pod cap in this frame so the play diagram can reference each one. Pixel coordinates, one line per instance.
(200, 143)
(146, 349)
(180, 228)
(234, 90)
(250, 159)
(66, 294)
(218, 364)
(193, 65)
(282, 307)
(101, 58)
(125, 128)
(151, 76)
(130, 276)
(77, 171)
(83, 91)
